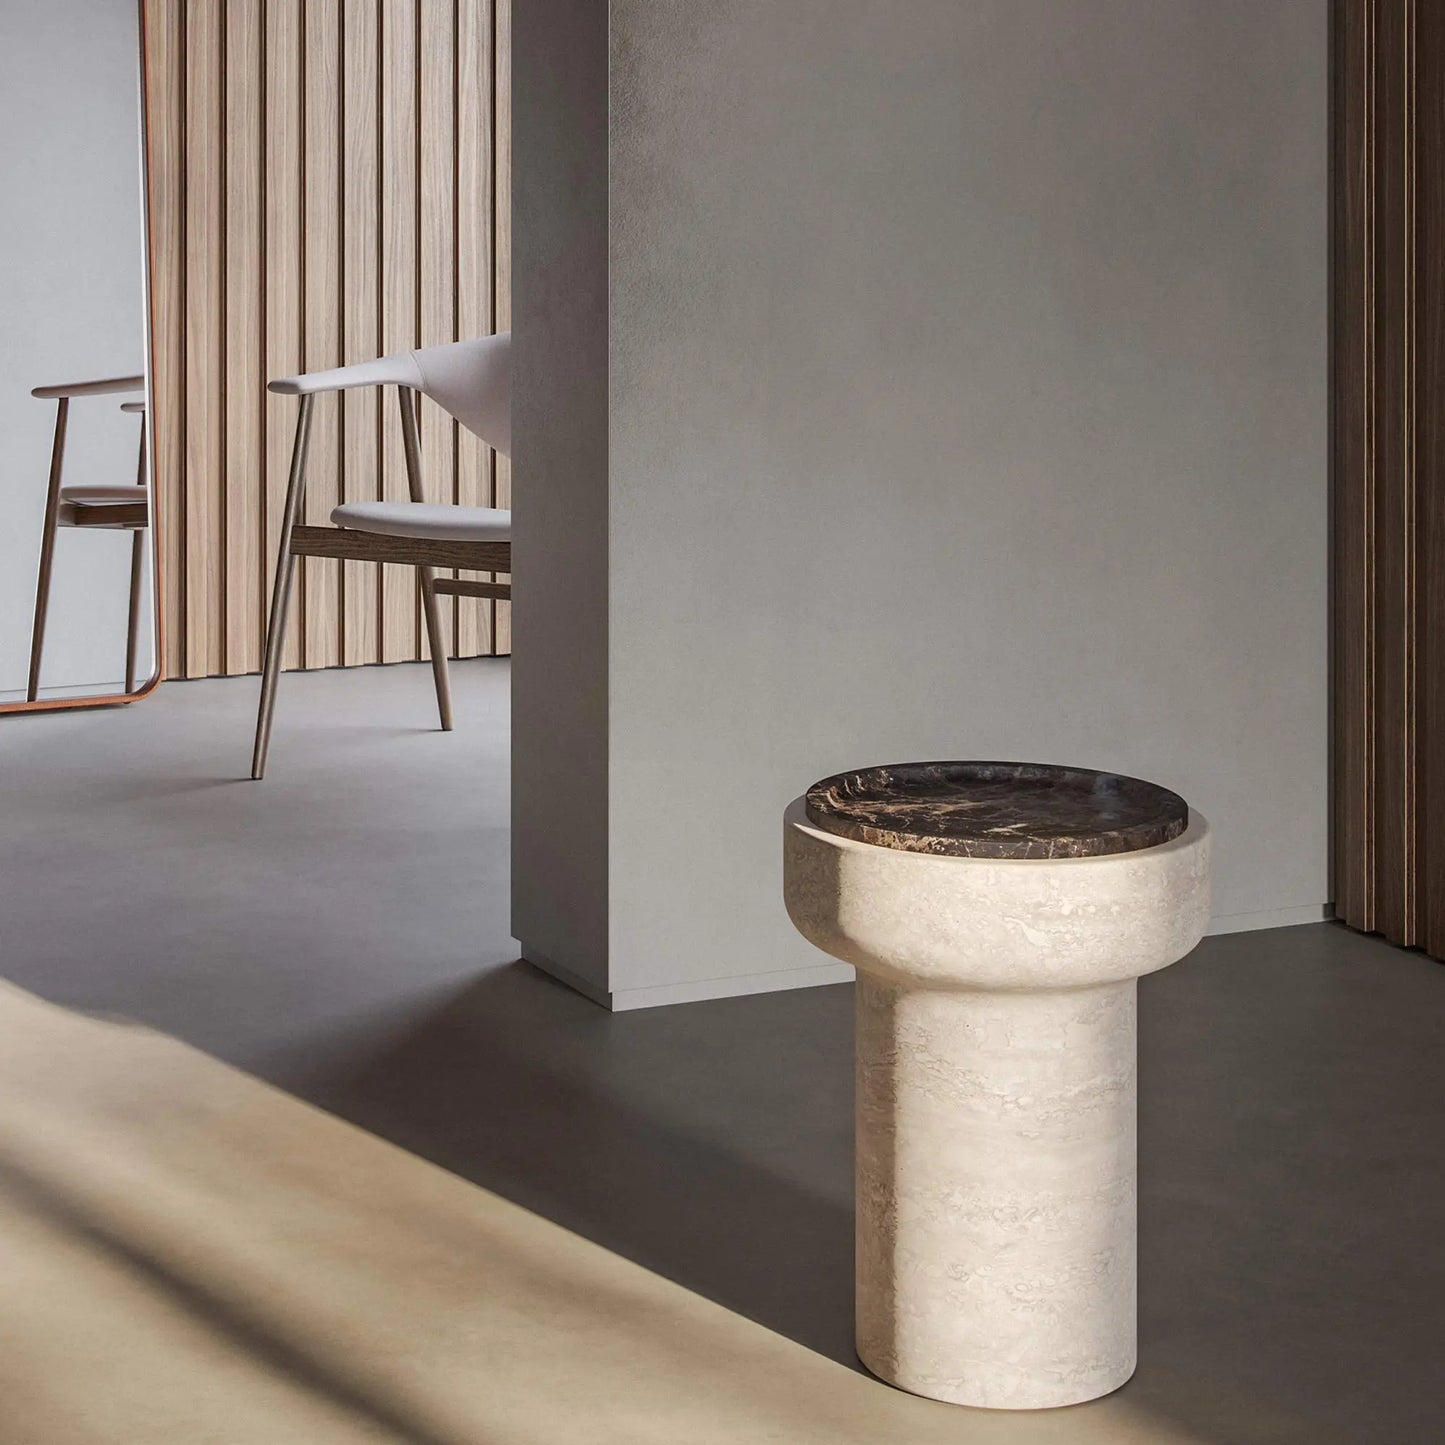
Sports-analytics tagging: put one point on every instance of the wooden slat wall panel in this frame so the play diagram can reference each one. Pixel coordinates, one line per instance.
(244, 401)
(284, 295)
(205, 341)
(437, 250)
(1429, 339)
(327, 180)
(164, 44)
(1393, 486)
(1388, 462)
(360, 298)
(476, 150)
(321, 314)
(1370, 617)
(502, 201)
(1350, 353)
(399, 200)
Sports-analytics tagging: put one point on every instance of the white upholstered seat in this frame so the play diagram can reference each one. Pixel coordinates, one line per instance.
(440, 522)
(99, 496)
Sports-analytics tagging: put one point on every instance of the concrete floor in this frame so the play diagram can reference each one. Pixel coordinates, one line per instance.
(340, 931)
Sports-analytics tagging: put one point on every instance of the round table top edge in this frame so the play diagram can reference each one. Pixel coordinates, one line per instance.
(1045, 839)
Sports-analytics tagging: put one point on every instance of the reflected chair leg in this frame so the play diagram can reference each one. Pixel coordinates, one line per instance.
(137, 553)
(281, 592)
(47, 549)
(426, 578)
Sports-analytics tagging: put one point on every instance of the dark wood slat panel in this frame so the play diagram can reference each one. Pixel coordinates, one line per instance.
(1391, 562)
(1388, 459)
(1429, 321)
(1351, 508)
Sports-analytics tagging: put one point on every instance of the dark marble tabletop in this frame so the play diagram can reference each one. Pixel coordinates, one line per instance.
(997, 810)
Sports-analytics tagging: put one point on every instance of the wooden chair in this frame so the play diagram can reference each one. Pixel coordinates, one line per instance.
(472, 380)
(125, 508)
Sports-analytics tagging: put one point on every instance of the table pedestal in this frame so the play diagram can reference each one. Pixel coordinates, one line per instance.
(995, 1122)
(996, 1192)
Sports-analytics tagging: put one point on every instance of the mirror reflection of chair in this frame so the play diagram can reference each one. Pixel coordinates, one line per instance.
(123, 507)
(472, 381)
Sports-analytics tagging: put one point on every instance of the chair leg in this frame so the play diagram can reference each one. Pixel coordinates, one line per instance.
(275, 641)
(426, 578)
(132, 623)
(281, 592)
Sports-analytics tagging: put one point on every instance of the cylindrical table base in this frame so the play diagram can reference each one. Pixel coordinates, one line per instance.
(996, 1175)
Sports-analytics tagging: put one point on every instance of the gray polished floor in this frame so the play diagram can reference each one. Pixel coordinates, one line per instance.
(341, 929)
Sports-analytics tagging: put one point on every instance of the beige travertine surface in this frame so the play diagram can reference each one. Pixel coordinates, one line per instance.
(996, 1101)
(187, 1255)
(997, 924)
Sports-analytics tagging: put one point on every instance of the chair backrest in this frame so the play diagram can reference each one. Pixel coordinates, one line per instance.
(473, 381)
(470, 379)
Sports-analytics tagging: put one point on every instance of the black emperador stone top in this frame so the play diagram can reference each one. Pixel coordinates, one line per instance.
(997, 810)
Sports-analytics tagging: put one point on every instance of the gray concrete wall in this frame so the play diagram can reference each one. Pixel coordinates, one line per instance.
(967, 399)
(559, 429)
(71, 307)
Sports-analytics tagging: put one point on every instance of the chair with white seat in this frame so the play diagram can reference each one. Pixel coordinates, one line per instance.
(472, 381)
(123, 507)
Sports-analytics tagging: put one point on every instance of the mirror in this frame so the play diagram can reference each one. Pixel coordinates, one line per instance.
(78, 608)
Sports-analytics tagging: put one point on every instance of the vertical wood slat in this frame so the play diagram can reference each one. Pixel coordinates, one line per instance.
(1429, 338)
(436, 249)
(323, 188)
(360, 292)
(502, 201)
(1392, 483)
(284, 299)
(399, 200)
(205, 331)
(1369, 777)
(320, 627)
(165, 73)
(476, 260)
(242, 474)
(1351, 384)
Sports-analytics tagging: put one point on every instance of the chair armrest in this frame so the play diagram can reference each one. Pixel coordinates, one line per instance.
(398, 370)
(105, 387)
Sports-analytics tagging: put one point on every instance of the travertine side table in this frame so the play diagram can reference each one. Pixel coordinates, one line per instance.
(999, 915)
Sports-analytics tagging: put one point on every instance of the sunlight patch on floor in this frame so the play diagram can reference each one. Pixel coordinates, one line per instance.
(188, 1254)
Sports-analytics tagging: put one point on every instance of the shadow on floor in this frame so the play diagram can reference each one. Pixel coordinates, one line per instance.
(743, 1194)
